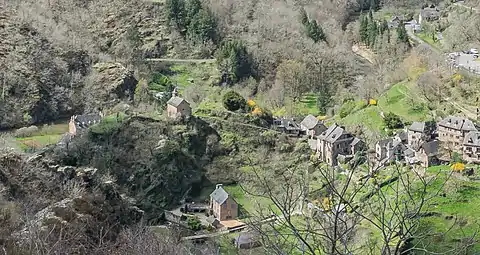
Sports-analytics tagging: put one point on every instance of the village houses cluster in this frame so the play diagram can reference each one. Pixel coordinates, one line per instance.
(424, 143)
(429, 143)
(329, 144)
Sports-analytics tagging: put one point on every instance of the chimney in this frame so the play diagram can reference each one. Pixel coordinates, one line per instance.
(218, 186)
(175, 92)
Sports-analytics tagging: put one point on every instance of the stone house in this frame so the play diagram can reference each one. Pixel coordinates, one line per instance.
(287, 126)
(428, 14)
(395, 21)
(79, 123)
(336, 141)
(416, 135)
(312, 126)
(427, 155)
(471, 147)
(178, 107)
(452, 131)
(222, 205)
(389, 150)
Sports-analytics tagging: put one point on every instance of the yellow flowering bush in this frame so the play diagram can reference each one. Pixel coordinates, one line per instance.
(251, 103)
(458, 167)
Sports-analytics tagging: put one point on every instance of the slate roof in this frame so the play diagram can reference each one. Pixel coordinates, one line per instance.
(86, 120)
(333, 133)
(408, 152)
(431, 148)
(288, 124)
(355, 141)
(430, 13)
(176, 101)
(402, 135)
(472, 138)
(309, 122)
(219, 195)
(417, 126)
(457, 123)
(384, 142)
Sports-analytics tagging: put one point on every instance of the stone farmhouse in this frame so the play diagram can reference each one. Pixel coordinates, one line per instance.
(178, 107)
(426, 146)
(334, 142)
(417, 146)
(416, 135)
(430, 13)
(287, 126)
(222, 206)
(389, 150)
(312, 126)
(471, 147)
(79, 123)
(452, 131)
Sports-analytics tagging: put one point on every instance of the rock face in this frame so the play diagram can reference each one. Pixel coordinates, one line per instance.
(60, 201)
(47, 53)
(110, 84)
(35, 85)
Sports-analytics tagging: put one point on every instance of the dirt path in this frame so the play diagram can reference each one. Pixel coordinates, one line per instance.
(461, 4)
(364, 52)
(174, 60)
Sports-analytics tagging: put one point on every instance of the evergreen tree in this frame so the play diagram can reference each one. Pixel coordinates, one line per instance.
(370, 14)
(304, 17)
(388, 35)
(202, 27)
(324, 99)
(363, 29)
(315, 32)
(176, 12)
(234, 61)
(402, 34)
(372, 33)
(383, 26)
(374, 5)
(192, 8)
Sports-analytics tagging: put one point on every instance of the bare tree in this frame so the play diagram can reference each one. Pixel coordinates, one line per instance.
(350, 198)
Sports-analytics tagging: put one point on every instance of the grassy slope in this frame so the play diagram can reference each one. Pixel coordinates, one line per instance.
(49, 134)
(306, 105)
(458, 211)
(401, 99)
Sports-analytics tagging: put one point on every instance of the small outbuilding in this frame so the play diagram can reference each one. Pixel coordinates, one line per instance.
(177, 106)
(247, 240)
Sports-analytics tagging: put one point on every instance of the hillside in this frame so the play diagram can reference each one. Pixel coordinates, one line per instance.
(238, 64)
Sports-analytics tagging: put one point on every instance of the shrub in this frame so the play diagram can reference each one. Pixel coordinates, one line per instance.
(457, 158)
(347, 108)
(233, 101)
(194, 223)
(26, 131)
(393, 121)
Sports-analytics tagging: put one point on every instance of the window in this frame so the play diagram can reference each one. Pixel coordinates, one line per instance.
(225, 205)
(233, 206)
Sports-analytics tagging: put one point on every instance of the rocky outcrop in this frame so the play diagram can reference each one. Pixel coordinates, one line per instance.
(35, 83)
(110, 84)
(47, 53)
